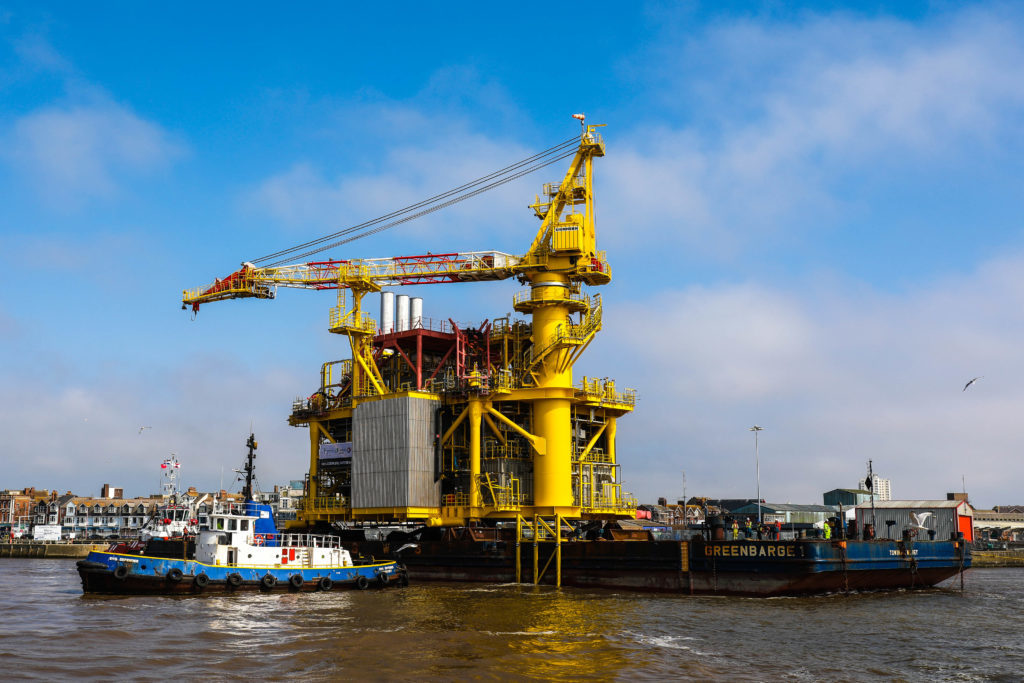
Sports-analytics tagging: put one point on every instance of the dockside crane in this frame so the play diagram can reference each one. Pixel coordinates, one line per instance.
(526, 398)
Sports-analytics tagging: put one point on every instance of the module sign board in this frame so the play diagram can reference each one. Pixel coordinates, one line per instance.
(46, 532)
(335, 452)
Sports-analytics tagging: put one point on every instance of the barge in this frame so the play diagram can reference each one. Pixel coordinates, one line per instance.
(696, 566)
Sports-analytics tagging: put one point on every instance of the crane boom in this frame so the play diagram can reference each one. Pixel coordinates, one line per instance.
(252, 282)
(564, 244)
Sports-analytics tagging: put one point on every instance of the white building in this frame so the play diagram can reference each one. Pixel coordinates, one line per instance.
(283, 500)
(881, 487)
(86, 518)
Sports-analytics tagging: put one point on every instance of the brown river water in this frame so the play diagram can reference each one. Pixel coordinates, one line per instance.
(50, 631)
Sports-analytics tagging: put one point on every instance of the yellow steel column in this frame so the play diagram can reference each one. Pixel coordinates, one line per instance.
(591, 483)
(553, 471)
(314, 466)
(610, 436)
(558, 549)
(609, 433)
(536, 549)
(476, 410)
(519, 542)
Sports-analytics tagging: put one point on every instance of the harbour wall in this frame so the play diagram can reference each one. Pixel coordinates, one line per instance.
(54, 550)
(989, 558)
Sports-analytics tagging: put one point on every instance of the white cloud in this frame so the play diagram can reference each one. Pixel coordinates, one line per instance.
(766, 148)
(838, 375)
(305, 198)
(37, 52)
(74, 153)
(200, 409)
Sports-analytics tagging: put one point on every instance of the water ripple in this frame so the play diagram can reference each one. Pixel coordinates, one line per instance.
(50, 631)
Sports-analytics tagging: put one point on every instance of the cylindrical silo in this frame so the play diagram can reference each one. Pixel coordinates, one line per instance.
(402, 301)
(416, 314)
(387, 312)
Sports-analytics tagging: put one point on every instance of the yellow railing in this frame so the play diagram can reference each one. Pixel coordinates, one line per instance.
(604, 390)
(599, 264)
(571, 334)
(335, 373)
(611, 503)
(511, 450)
(534, 295)
(322, 504)
(340, 318)
(455, 500)
(595, 456)
(502, 497)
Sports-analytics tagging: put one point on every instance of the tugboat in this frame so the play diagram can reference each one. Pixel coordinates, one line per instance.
(241, 550)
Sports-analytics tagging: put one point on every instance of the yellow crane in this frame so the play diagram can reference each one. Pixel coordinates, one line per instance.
(510, 431)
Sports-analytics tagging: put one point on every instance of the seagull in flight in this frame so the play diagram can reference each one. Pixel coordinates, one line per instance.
(972, 382)
(920, 519)
(141, 428)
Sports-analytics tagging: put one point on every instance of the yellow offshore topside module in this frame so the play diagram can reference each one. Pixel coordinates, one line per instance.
(432, 423)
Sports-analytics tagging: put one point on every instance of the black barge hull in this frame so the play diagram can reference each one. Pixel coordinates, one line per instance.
(698, 567)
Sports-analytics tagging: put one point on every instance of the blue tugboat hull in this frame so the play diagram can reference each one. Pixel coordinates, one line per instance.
(117, 573)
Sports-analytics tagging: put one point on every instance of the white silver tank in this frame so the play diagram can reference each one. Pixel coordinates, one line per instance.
(387, 312)
(416, 316)
(402, 313)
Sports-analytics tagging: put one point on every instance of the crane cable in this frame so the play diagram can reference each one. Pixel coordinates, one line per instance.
(432, 209)
(512, 172)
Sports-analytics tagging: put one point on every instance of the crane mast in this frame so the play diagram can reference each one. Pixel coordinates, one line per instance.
(445, 425)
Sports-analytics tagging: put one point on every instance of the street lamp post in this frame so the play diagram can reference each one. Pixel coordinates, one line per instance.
(757, 466)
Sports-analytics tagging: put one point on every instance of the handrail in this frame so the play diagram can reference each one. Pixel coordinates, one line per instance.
(604, 391)
(571, 333)
(322, 504)
(289, 540)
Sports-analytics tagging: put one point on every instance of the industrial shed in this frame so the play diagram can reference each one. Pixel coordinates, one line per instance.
(946, 519)
(788, 513)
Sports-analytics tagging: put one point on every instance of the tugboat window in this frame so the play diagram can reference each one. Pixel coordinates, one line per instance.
(245, 525)
(220, 523)
(232, 525)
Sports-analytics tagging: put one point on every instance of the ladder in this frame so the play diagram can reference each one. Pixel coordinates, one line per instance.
(552, 529)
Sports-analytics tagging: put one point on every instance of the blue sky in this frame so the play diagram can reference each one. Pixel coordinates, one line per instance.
(812, 212)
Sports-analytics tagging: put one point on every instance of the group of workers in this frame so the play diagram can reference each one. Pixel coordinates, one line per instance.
(762, 531)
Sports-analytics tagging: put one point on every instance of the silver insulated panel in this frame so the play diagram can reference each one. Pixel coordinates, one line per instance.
(942, 520)
(393, 454)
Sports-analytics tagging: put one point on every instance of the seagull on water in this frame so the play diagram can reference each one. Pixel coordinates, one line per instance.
(971, 382)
